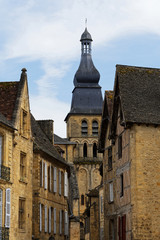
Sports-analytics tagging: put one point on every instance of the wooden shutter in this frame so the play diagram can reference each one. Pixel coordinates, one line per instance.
(60, 179)
(45, 172)
(60, 222)
(0, 154)
(65, 223)
(40, 217)
(55, 179)
(8, 204)
(111, 192)
(124, 227)
(66, 184)
(50, 183)
(119, 228)
(54, 220)
(45, 218)
(49, 219)
(1, 206)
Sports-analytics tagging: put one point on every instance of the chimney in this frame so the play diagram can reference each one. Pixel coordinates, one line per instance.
(47, 128)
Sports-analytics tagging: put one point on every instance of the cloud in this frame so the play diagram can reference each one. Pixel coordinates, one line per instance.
(48, 31)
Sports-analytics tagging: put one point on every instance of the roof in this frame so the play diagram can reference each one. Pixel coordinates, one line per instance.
(4, 121)
(41, 142)
(86, 35)
(140, 93)
(93, 193)
(63, 141)
(106, 118)
(8, 95)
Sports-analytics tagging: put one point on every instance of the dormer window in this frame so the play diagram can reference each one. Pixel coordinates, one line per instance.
(24, 122)
(95, 128)
(84, 128)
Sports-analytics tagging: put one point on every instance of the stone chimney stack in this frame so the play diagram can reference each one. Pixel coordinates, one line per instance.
(47, 127)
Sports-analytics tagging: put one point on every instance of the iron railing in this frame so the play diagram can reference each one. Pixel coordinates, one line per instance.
(4, 173)
(4, 233)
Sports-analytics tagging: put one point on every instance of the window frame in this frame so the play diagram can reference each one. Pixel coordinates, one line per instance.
(95, 128)
(22, 214)
(84, 128)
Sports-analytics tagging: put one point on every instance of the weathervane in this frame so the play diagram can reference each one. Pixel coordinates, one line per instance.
(86, 22)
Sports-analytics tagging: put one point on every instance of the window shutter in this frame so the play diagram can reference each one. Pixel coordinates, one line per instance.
(40, 217)
(111, 191)
(41, 173)
(49, 219)
(50, 184)
(45, 213)
(60, 222)
(54, 220)
(0, 154)
(65, 223)
(66, 184)
(8, 203)
(1, 206)
(55, 179)
(45, 184)
(60, 182)
(119, 227)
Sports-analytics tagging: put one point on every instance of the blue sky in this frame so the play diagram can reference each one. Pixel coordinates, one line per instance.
(43, 36)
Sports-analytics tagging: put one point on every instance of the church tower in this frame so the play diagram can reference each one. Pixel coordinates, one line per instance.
(83, 122)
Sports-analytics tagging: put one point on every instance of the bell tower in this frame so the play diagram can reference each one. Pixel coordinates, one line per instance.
(83, 121)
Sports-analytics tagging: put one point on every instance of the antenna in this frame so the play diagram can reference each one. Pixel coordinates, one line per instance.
(86, 22)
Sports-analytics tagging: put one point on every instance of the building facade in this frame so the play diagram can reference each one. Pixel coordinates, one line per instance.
(131, 156)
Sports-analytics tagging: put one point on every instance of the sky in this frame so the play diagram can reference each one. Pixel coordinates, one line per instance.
(43, 36)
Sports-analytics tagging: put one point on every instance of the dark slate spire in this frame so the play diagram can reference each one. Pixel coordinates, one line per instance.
(86, 96)
(86, 74)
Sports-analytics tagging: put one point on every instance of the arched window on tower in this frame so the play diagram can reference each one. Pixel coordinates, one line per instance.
(85, 150)
(95, 150)
(95, 128)
(84, 128)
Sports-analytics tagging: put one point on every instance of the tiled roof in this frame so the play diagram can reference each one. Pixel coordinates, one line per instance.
(139, 90)
(59, 140)
(41, 142)
(8, 95)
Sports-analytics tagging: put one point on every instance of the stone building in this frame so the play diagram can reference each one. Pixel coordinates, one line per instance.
(131, 149)
(50, 185)
(83, 123)
(16, 151)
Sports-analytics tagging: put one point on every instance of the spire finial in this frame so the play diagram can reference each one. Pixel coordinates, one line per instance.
(86, 23)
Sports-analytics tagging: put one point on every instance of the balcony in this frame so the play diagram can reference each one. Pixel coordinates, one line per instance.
(4, 173)
(4, 233)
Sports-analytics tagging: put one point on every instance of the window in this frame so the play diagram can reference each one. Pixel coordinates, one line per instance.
(121, 185)
(82, 199)
(24, 122)
(122, 227)
(110, 158)
(111, 229)
(111, 192)
(22, 166)
(95, 150)
(60, 222)
(84, 128)
(41, 173)
(1, 143)
(120, 147)
(95, 128)
(49, 219)
(21, 213)
(85, 150)
(49, 178)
